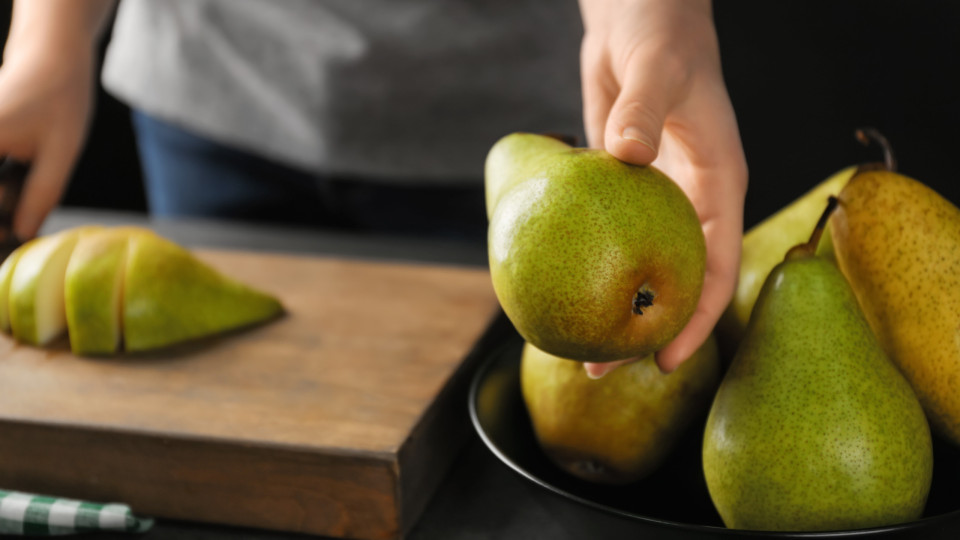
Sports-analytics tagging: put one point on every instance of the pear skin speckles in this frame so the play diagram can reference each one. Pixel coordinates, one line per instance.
(571, 246)
(813, 428)
(620, 428)
(898, 243)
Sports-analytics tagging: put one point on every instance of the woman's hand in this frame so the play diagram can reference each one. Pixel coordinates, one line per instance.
(653, 92)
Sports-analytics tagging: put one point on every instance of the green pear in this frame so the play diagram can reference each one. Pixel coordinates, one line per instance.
(764, 246)
(170, 296)
(898, 243)
(621, 427)
(6, 274)
(37, 313)
(591, 258)
(518, 158)
(93, 291)
(813, 427)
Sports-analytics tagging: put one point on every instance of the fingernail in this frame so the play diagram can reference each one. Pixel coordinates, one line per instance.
(631, 133)
(594, 376)
(665, 371)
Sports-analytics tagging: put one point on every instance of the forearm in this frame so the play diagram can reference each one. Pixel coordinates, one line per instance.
(57, 26)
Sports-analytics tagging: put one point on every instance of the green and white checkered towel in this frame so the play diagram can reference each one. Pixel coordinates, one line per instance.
(35, 515)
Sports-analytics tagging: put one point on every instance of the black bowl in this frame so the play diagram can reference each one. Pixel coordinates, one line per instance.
(671, 503)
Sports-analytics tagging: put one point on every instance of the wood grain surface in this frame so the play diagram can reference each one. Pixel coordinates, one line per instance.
(334, 419)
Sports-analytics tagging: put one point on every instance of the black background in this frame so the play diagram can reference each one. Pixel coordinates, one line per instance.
(802, 77)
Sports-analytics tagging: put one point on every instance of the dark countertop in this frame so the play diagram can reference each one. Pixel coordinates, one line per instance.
(480, 498)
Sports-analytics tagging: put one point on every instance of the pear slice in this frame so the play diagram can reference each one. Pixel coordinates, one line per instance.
(6, 273)
(37, 314)
(170, 296)
(93, 291)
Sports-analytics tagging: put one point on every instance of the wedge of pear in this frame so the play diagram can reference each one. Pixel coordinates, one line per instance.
(6, 275)
(620, 428)
(591, 258)
(35, 303)
(169, 296)
(93, 291)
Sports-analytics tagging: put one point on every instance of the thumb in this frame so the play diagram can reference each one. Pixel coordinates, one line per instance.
(636, 119)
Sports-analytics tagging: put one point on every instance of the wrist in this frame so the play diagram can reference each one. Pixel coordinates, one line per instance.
(56, 28)
(601, 13)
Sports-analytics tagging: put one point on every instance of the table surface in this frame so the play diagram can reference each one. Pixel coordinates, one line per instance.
(480, 497)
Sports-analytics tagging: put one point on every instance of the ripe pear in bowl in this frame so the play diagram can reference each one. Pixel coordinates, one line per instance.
(591, 258)
(898, 243)
(619, 428)
(813, 428)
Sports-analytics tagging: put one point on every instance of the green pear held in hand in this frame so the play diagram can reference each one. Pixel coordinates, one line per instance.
(619, 428)
(898, 243)
(813, 428)
(592, 259)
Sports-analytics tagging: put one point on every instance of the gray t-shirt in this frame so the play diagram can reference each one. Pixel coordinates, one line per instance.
(406, 90)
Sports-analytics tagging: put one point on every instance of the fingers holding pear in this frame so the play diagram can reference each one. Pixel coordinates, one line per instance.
(592, 258)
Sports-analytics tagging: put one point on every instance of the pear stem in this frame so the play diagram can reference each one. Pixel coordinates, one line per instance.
(810, 247)
(868, 135)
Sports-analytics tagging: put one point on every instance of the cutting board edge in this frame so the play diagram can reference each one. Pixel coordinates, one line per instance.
(440, 419)
(386, 455)
(143, 471)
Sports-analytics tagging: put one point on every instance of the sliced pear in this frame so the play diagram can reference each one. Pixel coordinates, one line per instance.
(170, 296)
(6, 273)
(93, 291)
(37, 314)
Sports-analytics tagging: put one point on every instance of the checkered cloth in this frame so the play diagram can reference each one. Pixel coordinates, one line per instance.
(36, 515)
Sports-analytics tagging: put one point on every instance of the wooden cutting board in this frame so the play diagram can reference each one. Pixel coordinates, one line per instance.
(338, 419)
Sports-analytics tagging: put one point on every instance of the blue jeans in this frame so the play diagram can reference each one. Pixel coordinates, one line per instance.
(188, 175)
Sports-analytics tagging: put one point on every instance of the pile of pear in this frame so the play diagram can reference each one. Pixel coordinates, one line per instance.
(847, 353)
(114, 289)
(843, 337)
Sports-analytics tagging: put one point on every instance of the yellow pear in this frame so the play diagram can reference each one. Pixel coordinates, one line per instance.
(619, 428)
(898, 243)
(170, 296)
